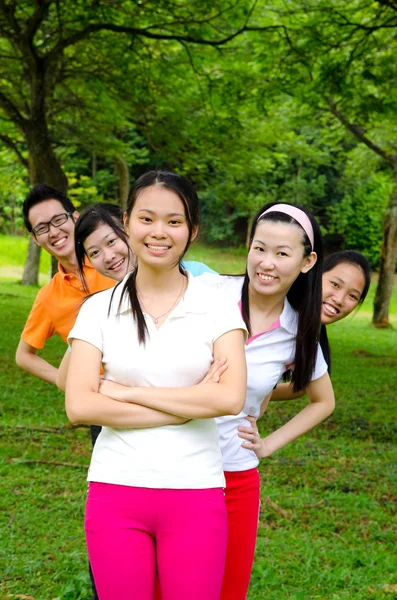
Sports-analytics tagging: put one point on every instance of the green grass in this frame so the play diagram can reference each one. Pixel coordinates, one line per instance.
(328, 523)
(12, 258)
(223, 260)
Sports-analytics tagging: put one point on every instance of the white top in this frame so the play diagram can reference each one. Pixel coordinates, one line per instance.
(268, 355)
(178, 354)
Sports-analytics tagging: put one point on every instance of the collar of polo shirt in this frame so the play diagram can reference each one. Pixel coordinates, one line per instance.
(191, 302)
(289, 318)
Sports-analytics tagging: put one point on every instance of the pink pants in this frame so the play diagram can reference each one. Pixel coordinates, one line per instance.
(132, 533)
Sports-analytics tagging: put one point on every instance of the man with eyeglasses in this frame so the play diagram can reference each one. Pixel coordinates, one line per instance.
(50, 217)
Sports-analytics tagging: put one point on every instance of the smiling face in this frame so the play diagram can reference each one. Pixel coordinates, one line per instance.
(107, 253)
(157, 227)
(276, 257)
(342, 289)
(58, 241)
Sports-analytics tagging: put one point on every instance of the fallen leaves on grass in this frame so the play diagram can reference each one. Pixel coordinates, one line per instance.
(23, 461)
(284, 513)
(11, 596)
(390, 587)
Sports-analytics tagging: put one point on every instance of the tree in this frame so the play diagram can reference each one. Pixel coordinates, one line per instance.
(340, 58)
(48, 48)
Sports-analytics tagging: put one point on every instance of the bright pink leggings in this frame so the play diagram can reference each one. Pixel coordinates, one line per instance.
(132, 533)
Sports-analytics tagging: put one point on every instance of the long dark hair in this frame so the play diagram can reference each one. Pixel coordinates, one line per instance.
(351, 257)
(188, 196)
(94, 216)
(304, 296)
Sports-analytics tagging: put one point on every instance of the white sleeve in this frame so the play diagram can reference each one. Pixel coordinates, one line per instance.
(88, 324)
(321, 366)
(226, 317)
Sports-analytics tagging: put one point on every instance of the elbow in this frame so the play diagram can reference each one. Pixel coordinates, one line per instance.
(328, 406)
(238, 406)
(235, 404)
(331, 406)
(19, 359)
(73, 416)
(60, 382)
(73, 413)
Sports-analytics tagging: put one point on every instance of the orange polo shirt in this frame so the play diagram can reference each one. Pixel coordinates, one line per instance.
(58, 303)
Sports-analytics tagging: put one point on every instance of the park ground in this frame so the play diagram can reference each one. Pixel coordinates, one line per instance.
(328, 524)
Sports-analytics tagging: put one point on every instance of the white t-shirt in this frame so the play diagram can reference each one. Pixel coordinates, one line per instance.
(178, 354)
(268, 355)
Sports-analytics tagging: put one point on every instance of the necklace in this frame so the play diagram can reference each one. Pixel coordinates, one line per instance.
(156, 319)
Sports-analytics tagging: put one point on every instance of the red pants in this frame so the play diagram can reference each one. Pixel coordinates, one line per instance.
(242, 504)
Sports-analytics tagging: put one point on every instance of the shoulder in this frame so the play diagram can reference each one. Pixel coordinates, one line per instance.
(47, 291)
(229, 286)
(218, 313)
(212, 301)
(210, 287)
(98, 302)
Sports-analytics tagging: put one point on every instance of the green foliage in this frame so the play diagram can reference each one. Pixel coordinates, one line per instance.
(249, 122)
(13, 188)
(358, 217)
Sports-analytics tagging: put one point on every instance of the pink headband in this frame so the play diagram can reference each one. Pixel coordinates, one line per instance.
(297, 214)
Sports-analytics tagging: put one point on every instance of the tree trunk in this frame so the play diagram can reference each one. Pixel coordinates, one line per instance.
(388, 259)
(44, 167)
(54, 266)
(124, 180)
(31, 270)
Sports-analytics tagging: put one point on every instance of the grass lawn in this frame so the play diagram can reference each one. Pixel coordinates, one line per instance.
(328, 524)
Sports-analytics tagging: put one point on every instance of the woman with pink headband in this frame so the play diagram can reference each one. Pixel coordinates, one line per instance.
(280, 300)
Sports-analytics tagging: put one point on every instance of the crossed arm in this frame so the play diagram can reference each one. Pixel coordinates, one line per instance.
(149, 407)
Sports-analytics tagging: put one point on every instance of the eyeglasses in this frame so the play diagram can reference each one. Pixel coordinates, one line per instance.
(56, 221)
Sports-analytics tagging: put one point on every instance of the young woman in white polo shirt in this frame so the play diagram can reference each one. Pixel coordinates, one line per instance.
(155, 500)
(280, 300)
(100, 237)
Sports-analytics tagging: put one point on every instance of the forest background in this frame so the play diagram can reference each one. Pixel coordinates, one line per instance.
(255, 102)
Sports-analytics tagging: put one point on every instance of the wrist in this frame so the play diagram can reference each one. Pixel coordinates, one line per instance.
(265, 449)
(133, 394)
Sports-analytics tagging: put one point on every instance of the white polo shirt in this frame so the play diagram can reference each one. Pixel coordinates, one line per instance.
(268, 355)
(178, 354)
